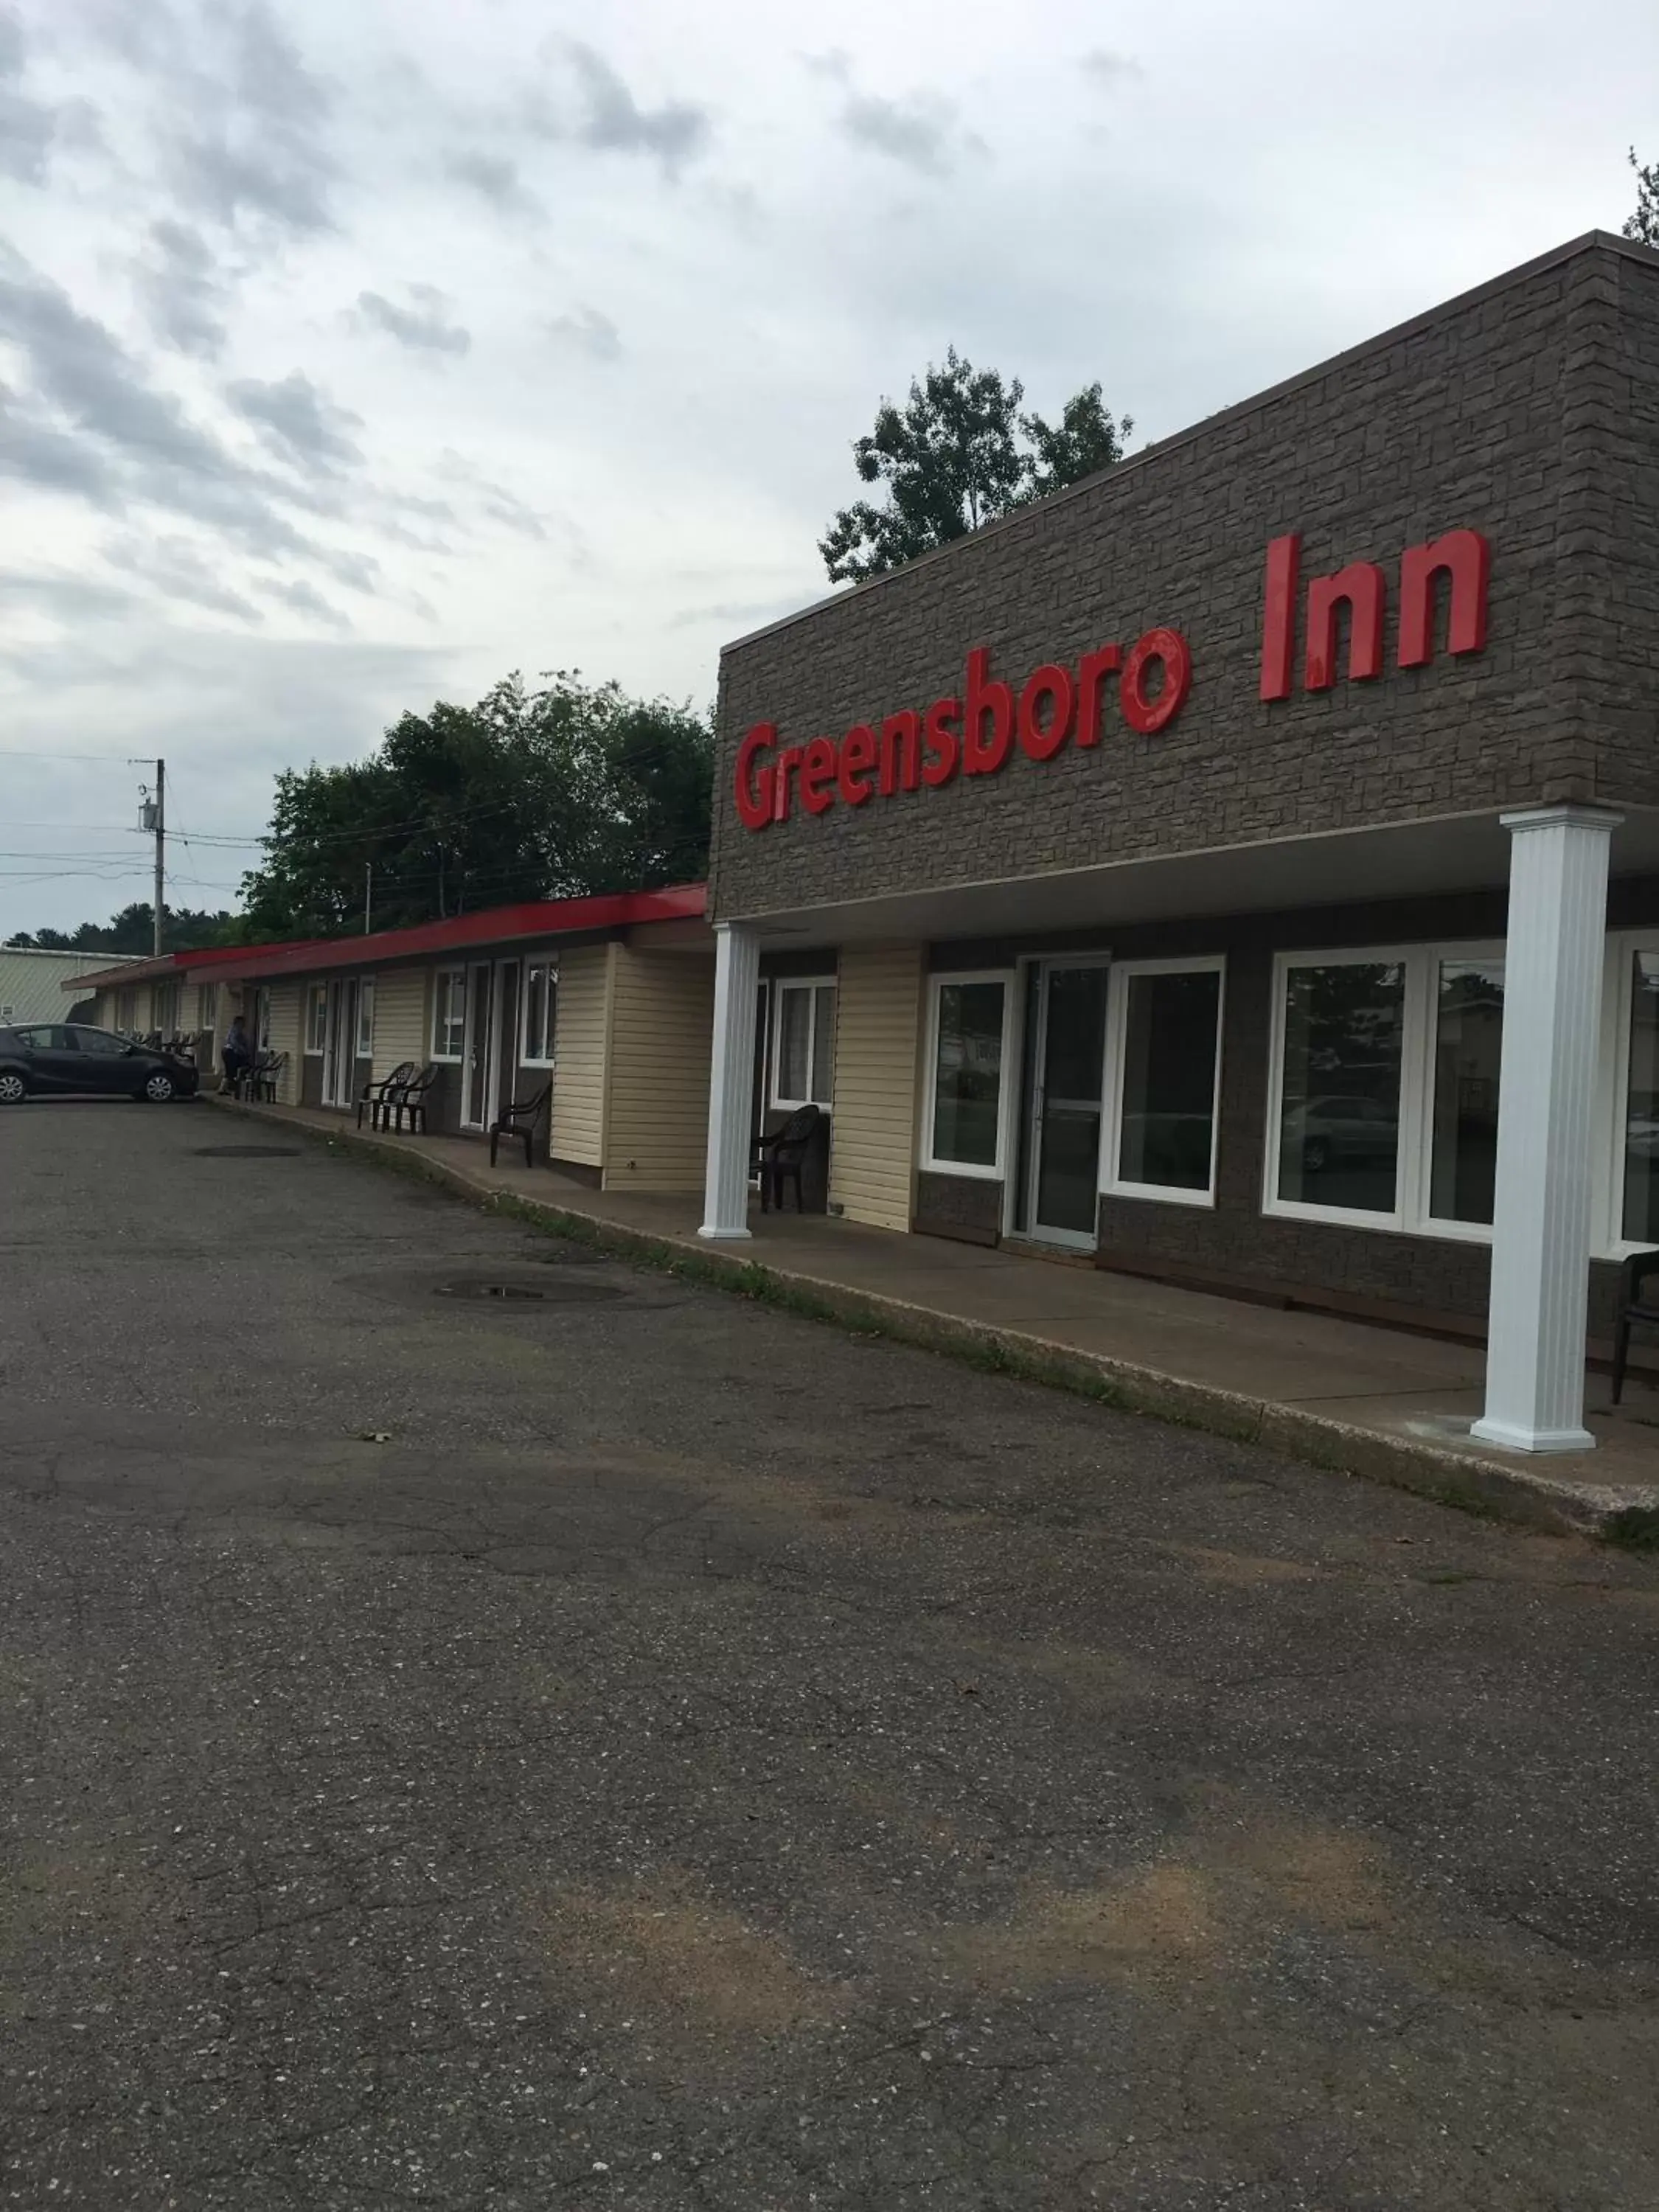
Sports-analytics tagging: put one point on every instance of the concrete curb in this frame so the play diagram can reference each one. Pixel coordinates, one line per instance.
(1503, 1490)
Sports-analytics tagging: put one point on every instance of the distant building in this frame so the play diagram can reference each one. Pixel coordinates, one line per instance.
(32, 983)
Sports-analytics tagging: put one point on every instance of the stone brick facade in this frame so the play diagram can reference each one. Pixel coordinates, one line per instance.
(1528, 409)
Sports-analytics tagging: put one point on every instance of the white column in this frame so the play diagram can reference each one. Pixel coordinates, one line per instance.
(730, 1082)
(1546, 1095)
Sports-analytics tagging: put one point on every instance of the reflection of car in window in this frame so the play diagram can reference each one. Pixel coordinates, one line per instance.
(1342, 1128)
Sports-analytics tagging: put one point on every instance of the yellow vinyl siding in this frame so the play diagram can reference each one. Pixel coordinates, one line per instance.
(400, 1019)
(580, 1046)
(662, 1023)
(287, 1016)
(879, 1000)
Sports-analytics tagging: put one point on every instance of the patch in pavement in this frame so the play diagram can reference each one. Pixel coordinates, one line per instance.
(246, 1152)
(524, 1293)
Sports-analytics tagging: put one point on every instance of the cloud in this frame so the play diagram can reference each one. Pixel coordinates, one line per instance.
(180, 570)
(298, 420)
(1107, 67)
(266, 153)
(183, 291)
(611, 120)
(920, 132)
(494, 499)
(495, 178)
(425, 326)
(30, 129)
(588, 331)
(305, 600)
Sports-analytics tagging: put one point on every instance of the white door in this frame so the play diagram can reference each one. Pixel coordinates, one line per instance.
(340, 1044)
(480, 1038)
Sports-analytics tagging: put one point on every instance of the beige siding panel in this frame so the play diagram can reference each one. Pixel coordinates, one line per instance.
(662, 1022)
(878, 999)
(580, 1048)
(400, 1019)
(287, 1014)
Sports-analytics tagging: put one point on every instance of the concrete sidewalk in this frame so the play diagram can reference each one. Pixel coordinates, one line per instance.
(1360, 1400)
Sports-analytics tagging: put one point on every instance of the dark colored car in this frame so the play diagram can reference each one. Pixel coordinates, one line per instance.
(67, 1060)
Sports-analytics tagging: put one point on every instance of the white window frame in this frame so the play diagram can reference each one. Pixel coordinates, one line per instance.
(316, 1019)
(527, 1058)
(365, 1037)
(781, 984)
(997, 1172)
(1117, 1024)
(1421, 965)
(441, 977)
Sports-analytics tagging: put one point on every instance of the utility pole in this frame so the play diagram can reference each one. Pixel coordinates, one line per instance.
(152, 816)
(368, 896)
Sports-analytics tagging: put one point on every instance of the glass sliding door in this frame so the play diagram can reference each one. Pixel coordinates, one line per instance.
(1067, 1102)
(480, 1032)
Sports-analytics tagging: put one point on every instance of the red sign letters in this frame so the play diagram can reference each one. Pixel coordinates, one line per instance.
(1058, 706)
(974, 735)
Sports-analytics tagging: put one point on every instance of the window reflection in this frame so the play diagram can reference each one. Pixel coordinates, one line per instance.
(1339, 1112)
(1640, 1220)
(968, 1073)
(1468, 1036)
(1168, 1080)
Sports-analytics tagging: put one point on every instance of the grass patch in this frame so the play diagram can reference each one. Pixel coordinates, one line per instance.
(1635, 1529)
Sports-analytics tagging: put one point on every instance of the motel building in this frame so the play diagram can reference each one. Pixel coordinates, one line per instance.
(599, 1008)
(1242, 869)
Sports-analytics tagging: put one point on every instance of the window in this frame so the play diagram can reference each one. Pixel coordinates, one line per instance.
(1166, 1049)
(1385, 1087)
(316, 1017)
(207, 1007)
(165, 1011)
(365, 1018)
(1637, 1136)
(125, 1007)
(449, 1014)
(261, 1023)
(96, 1041)
(968, 1051)
(541, 994)
(804, 1064)
(1468, 1034)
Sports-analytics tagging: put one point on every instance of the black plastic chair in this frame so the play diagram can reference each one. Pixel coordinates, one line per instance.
(377, 1096)
(268, 1076)
(1632, 1307)
(410, 1098)
(519, 1121)
(780, 1156)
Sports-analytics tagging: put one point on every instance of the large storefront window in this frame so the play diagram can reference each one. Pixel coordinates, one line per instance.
(969, 1050)
(1169, 1053)
(1639, 1212)
(1342, 1035)
(805, 1073)
(1469, 1038)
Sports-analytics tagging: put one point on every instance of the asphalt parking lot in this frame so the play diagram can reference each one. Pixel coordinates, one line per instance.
(624, 1747)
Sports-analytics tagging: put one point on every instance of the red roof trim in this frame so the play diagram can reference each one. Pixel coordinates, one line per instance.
(178, 963)
(495, 926)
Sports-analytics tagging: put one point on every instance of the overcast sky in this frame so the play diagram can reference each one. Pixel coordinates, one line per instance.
(353, 352)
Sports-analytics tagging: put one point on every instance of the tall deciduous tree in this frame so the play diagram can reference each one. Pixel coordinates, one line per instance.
(1644, 224)
(567, 789)
(951, 459)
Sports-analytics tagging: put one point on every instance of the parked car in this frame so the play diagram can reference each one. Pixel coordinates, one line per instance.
(1330, 1130)
(68, 1059)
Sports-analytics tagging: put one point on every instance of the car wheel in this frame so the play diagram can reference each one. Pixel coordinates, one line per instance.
(159, 1089)
(13, 1089)
(1315, 1153)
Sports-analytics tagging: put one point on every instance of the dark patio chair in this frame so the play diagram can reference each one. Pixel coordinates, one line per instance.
(377, 1096)
(268, 1076)
(779, 1158)
(410, 1098)
(519, 1121)
(1632, 1307)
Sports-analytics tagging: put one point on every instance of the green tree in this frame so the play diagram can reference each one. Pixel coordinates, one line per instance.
(184, 929)
(1086, 440)
(1644, 225)
(566, 789)
(951, 459)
